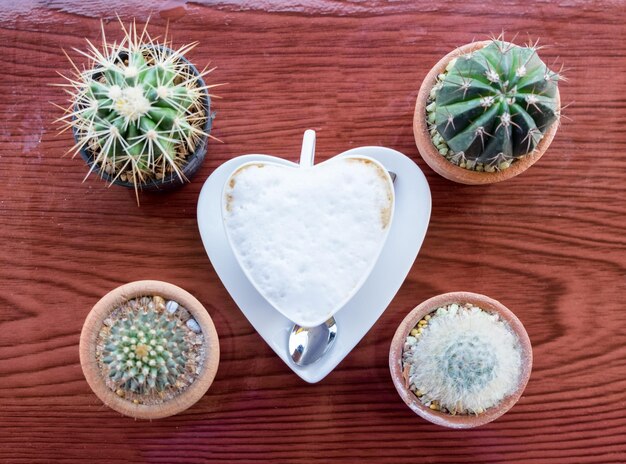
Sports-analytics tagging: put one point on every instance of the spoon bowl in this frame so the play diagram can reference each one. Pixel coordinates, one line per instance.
(308, 344)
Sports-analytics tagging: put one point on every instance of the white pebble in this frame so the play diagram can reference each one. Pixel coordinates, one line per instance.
(193, 326)
(171, 306)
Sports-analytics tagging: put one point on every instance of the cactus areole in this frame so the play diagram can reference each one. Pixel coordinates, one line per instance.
(140, 113)
(493, 106)
(149, 349)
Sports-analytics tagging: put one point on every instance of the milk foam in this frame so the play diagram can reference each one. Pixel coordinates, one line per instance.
(307, 237)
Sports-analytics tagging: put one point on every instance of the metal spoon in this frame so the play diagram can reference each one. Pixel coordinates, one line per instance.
(307, 345)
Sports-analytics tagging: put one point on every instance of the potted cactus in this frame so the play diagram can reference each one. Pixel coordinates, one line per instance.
(149, 349)
(140, 112)
(460, 359)
(486, 112)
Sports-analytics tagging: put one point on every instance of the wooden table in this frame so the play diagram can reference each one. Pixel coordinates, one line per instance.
(550, 244)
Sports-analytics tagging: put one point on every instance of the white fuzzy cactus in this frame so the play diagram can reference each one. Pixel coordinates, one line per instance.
(465, 361)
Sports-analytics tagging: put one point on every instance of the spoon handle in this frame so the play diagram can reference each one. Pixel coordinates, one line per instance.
(307, 155)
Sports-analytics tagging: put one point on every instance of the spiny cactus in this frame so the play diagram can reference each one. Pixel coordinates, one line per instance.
(146, 349)
(493, 106)
(463, 360)
(139, 109)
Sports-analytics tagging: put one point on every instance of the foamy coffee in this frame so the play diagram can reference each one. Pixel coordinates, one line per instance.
(308, 237)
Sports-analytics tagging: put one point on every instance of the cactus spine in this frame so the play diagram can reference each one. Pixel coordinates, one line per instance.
(493, 106)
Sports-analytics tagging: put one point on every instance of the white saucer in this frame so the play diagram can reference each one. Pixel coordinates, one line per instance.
(354, 320)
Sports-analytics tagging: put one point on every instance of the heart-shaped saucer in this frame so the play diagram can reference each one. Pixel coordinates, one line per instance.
(307, 238)
(358, 315)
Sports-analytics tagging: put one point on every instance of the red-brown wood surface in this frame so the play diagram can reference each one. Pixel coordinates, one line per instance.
(549, 244)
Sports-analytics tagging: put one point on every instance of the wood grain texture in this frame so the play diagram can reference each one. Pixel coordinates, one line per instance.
(549, 244)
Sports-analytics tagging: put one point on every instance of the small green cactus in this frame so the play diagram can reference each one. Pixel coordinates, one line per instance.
(463, 360)
(146, 348)
(139, 109)
(492, 106)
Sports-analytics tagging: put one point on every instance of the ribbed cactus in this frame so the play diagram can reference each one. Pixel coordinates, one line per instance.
(145, 349)
(139, 109)
(493, 106)
(464, 360)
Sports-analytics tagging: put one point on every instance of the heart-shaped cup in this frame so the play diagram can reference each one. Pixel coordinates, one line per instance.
(308, 236)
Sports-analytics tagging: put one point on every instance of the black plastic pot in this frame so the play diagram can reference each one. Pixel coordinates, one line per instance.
(194, 161)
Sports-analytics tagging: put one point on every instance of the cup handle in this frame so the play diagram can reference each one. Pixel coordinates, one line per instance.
(307, 155)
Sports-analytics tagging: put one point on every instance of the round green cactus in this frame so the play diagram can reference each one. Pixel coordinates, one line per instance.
(145, 347)
(145, 351)
(493, 106)
(139, 109)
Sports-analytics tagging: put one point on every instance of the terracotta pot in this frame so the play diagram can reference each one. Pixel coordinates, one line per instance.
(440, 164)
(93, 325)
(428, 306)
